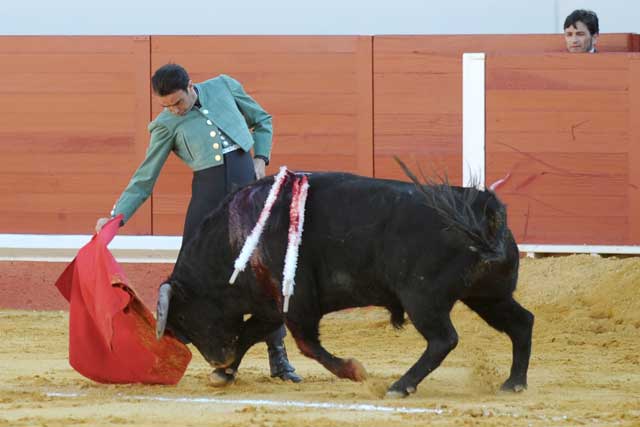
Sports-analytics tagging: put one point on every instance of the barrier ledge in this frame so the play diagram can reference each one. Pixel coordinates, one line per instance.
(164, 249)
(532, 249)
(64, 247)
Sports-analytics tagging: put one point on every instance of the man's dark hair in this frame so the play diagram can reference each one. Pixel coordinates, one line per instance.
(168, 79)
(587, 17)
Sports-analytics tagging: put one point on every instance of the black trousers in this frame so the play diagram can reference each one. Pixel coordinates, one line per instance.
(208, 188)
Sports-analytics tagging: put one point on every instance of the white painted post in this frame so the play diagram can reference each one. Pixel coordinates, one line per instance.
(473, 120)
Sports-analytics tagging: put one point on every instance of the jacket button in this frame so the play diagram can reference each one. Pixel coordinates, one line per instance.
(209, 122)
(205, 111)
(212, 133)
(225, 143)
(217, 157)
(216, 146)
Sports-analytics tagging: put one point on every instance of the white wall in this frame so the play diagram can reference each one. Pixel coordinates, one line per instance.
(348, 17)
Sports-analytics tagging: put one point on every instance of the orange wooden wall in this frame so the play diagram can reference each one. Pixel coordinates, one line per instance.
(318, 90)
(72, 128)
(73, 124)
(565, 127)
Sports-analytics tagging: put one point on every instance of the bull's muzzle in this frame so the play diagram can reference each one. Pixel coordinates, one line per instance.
(228, 361)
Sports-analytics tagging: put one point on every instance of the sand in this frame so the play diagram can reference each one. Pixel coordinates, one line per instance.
(585, 367)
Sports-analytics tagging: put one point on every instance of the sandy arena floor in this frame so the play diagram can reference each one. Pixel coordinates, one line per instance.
(585, 367)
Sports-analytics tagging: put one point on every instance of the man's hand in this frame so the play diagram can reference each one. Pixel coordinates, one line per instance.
(100, 223)
(259, 166)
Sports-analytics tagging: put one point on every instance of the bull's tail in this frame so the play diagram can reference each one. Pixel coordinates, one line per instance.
(482, 220)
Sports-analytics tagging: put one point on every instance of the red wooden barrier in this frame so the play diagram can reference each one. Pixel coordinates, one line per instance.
(562, 126)
(72, 129)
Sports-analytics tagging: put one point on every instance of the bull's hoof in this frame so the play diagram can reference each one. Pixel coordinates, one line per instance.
(353, 370)
(513, 386)
(357, 369)
(221, 378)
(397, 392)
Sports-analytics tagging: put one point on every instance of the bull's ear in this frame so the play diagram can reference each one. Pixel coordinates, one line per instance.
(162, 309)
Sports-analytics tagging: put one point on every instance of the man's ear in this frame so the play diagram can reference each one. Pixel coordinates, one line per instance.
(594, 40)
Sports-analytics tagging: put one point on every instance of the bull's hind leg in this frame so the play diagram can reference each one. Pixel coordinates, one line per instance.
(507, 316)
(442, 337)
(306, 335)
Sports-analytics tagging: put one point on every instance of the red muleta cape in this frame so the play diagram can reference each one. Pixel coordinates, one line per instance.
(111, 332)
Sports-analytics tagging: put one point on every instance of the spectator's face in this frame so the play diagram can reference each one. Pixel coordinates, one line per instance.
(578, 38)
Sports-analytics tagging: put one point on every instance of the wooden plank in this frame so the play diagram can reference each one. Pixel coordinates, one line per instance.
(299, 124)
(569, 229)
(61, 183)
(491, 43)
(67, 103)
(364, 125)
(569, 163)
(217, 63)
(543, 184)
(615, 42)
(557, 142)
(570, 122)
(557, 100)
(561, 130)
(45, 63)
(575, 80)
(196, 45)
(78, 121)
(413, 93)
(285, 103)
(634, 151)
(91, 45)
(433, 166)
(66, 83)
(67, 163)
(338, 82)
(556, 62)
(582, 205)
(40, 143)
(419, 124)
(635, 43)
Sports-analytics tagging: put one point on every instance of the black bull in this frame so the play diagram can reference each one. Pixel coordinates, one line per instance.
(408, 248)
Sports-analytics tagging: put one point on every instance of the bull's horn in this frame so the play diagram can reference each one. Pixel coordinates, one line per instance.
(162, 309)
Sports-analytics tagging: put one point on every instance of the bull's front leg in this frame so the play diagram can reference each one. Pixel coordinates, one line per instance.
(307, 339)
(442, 337)
(253, 331)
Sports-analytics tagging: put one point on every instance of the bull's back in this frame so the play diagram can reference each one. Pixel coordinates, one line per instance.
(363, 236)
(367, 236)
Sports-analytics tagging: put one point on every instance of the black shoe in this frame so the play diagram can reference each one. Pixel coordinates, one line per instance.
(280, 366)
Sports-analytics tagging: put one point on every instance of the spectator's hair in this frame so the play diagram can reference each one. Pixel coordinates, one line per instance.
(169, 78)
(587, 17)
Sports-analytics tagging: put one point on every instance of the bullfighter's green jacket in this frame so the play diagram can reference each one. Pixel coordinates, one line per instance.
(196, 137)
